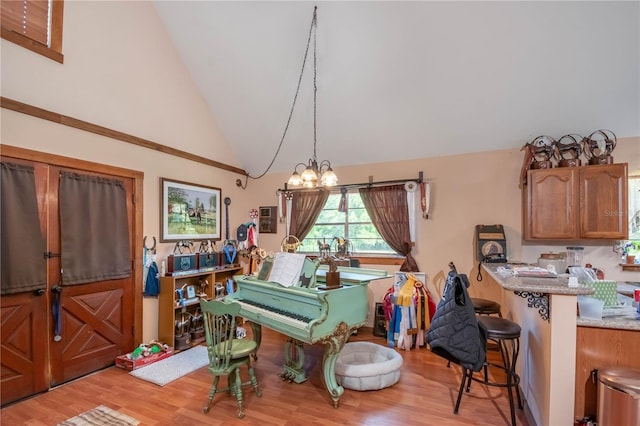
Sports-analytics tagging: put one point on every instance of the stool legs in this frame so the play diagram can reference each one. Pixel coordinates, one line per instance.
(466, 378)
(513, 380)
(509, 350)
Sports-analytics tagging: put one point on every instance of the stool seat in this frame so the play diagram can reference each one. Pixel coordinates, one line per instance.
(485, 307)
(500, 328)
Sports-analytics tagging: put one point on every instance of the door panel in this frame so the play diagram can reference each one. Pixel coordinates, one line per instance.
(603, 201)
(23, 349)
(96, 327)
(97, 317)
(25, 321)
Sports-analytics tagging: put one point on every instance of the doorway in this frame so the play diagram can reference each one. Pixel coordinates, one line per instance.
(58, 333)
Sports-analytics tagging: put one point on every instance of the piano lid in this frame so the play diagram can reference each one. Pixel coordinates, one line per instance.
(353, 275)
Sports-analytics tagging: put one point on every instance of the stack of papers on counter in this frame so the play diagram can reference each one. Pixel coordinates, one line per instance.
(533, 271)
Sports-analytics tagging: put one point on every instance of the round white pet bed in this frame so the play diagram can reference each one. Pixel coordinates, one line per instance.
(367, 366)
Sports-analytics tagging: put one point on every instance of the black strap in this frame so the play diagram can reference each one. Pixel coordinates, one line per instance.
(55, 311)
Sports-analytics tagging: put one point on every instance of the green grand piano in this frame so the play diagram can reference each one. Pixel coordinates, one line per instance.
(308, 315)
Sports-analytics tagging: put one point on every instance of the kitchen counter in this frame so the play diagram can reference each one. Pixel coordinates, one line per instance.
(508, 281)
(560, 285)
(546, 310)
(616, 323)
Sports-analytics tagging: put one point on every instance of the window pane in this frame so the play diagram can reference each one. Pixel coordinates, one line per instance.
(634, 207)
(331, 216)
(354, 225)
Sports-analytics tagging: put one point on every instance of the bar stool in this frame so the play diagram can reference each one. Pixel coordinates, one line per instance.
(506, 334)
(486, 307)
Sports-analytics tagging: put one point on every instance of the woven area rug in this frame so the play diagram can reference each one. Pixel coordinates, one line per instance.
(174, 367)
(100, 415)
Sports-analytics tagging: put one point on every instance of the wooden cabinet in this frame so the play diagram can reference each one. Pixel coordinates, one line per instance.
(573, 203)
(179, 318)
(598, 348)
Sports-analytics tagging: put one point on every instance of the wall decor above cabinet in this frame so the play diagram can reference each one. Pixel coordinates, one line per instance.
(576, 203)
(543, 150)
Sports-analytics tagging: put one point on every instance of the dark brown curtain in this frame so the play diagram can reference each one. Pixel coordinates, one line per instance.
(23, 245)
(305, 209)
(94, 229)
(389, 212)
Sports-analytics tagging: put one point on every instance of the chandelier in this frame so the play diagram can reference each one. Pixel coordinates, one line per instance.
(315, 173)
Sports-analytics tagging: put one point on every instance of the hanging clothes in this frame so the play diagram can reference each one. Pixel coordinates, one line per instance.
(425, 309)
(408, 308)
(152, 279)
(252, 237)
(405, 322)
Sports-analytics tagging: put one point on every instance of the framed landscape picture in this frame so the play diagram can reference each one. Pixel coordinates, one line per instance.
(189, 211)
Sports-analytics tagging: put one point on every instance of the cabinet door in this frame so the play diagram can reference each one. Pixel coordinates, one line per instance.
(551, 204)
(603, 201)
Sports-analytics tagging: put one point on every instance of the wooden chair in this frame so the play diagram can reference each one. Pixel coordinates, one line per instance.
(226, 353)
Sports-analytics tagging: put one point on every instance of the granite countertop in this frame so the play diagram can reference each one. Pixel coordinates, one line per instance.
(621, 322)
(560, 286)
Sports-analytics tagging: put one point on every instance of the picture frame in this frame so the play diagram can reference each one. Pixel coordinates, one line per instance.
(189, 211)
(191, 292)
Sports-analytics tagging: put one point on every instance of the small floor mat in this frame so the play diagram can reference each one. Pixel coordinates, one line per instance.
(174, 367)
(100, 415)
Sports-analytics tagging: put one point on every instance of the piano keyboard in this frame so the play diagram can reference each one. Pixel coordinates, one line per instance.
(291, 318)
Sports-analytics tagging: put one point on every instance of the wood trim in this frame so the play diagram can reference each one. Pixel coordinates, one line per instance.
(57, 14)
(137, 176)
(34, 111)
(379, 260)
(59, 160)
(32, 45)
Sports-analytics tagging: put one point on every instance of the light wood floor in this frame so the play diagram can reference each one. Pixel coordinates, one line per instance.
(425, 395)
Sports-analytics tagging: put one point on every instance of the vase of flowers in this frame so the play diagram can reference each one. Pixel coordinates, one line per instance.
(630, 252)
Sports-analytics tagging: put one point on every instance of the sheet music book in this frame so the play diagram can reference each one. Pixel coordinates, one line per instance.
(287, 268)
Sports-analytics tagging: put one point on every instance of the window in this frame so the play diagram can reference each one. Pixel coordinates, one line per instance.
(634, 207)
(353, 225)
(35, 25)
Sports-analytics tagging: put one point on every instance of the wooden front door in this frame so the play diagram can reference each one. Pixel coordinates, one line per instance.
(63, 332)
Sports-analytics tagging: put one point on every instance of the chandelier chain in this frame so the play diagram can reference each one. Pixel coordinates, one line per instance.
(314, 23)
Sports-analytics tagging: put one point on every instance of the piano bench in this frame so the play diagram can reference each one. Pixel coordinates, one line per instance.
(367, 366)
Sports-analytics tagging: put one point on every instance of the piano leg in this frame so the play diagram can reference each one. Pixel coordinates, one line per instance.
(257, 336)
(334, 344)
(293, 361)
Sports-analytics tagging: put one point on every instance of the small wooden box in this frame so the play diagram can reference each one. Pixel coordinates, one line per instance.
(182, 263)
(131, 364)
(208, 260)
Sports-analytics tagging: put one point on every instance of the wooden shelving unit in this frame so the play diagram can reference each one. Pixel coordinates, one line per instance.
(178, 317)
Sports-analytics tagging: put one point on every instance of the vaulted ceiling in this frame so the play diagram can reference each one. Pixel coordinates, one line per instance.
(400, 80)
